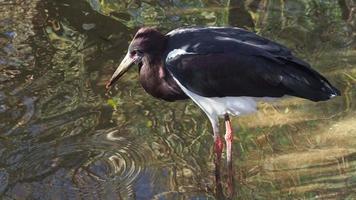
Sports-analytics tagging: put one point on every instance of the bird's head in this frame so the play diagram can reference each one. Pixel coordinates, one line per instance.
(145, 46)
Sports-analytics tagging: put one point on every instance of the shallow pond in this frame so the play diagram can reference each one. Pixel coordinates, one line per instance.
(63, 137)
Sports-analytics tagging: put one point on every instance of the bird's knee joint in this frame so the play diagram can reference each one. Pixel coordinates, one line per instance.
(229, 136)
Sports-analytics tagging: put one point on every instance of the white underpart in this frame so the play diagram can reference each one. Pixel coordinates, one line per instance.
(215, 107)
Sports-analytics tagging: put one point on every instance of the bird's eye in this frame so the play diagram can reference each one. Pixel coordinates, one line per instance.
(136, 52)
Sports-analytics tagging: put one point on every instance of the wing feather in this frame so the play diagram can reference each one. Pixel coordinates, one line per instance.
(234, 62)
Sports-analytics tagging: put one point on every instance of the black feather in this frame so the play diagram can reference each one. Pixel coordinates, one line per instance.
(234, 62)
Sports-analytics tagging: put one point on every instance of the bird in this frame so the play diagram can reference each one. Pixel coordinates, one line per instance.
(226, 71)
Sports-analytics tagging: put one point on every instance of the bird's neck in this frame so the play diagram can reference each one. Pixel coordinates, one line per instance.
(158, 82)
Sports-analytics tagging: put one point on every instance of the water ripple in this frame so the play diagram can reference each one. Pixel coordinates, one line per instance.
(103, 164)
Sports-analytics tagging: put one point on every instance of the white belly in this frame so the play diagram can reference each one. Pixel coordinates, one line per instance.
(219, 106)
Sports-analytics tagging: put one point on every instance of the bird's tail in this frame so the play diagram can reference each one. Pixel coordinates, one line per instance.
(305, 82)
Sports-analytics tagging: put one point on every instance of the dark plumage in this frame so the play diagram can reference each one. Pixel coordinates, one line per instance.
(234, 62)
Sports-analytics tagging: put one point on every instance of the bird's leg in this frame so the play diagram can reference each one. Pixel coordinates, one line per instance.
(218, 147)
(228, 140)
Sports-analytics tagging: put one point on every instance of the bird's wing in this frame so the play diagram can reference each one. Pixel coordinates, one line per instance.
(234, 62)
(218, 40)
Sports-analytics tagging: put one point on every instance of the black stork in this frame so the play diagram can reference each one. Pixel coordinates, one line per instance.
(224, 70)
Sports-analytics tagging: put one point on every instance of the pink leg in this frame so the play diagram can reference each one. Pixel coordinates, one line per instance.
(228, 140)
(218, 147)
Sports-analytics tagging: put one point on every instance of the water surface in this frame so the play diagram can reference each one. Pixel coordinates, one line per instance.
(63, 137)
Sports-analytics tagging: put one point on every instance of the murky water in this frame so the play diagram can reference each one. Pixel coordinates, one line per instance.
(62, 137)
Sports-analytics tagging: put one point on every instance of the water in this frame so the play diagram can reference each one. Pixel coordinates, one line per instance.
(63, 137)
